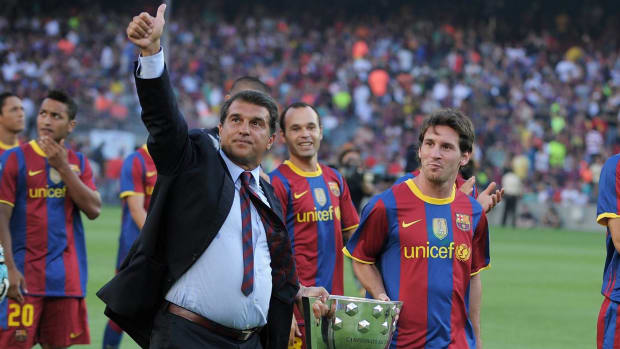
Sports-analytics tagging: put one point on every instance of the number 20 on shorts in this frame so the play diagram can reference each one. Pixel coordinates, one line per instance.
(18, 313)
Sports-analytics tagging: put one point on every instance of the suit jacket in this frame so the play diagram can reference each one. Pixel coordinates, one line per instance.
(192, 197)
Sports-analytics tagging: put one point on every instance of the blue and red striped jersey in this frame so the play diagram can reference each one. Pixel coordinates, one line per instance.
(608, 206)
(459, 181)
(317, 208)
(138, 177)
(46, 228)
(426, 250)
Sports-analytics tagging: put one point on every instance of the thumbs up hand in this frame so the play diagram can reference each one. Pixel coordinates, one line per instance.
(145, 31)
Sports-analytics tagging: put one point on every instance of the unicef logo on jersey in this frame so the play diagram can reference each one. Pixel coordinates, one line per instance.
(461, 252)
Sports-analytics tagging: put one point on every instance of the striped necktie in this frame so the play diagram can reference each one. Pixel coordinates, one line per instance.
(247, 285)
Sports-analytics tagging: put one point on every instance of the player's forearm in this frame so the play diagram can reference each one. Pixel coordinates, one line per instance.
(5, 235)
(475, 302)
(370, 278)
(85, 198)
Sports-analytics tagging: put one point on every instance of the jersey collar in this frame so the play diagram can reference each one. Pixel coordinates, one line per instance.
(36, 148)
(5, 146)
(303, 173)
(431, 200)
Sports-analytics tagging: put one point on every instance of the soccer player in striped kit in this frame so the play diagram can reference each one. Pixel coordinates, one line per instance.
(424, 242)
(316, 204)
(138, 177)
(608, 214)
(43, 188)
(12, 120)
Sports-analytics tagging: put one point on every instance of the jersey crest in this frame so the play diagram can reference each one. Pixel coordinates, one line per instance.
(319, 196)
(463, 222)
(440, 228)
(333, 186)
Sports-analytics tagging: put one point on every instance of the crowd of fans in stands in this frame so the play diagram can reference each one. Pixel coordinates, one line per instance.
(545, 103)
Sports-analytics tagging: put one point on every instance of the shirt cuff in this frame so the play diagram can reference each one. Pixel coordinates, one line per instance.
(151, 67)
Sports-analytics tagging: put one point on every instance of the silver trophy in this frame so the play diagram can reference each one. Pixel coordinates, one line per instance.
(352, 322)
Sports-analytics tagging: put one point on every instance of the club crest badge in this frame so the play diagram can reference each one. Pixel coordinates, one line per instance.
(334, 188)
(319, 196)
(440, 228)
(463, 222)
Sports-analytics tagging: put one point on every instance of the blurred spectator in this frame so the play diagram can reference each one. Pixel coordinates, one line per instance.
(541, 83)
(512, 192)
(360, 182)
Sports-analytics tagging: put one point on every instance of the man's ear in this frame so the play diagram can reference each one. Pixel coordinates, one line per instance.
(465, 158)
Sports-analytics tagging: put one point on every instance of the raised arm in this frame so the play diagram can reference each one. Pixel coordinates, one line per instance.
(168, 140)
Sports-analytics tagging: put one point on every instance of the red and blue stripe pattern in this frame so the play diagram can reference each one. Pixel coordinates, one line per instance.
(607, 333)
(138, 177)
(46, 228)
(426, 250)
(317, 209)
(608, 207)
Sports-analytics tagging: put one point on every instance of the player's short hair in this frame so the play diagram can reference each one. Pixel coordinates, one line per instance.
(249, 83)
(64, 98)
(4, 96)
(257, 98)
(298, 105)
(456, 120)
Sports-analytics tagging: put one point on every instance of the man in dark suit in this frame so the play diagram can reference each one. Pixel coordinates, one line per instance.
(213, 266)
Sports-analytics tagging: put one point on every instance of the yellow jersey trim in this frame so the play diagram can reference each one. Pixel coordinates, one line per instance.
(603, 217)
(351, 227)
(431, 200)
(129, 193)
(302, 173)
(5, 146)
(7, 203)
(146, 149)
(37, 149)
(481, 269)
(346, 253)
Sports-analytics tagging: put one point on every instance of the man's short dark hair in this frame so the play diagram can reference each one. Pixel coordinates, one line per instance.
(457, 121)
(256, 98)
(64, 98)
(249, 83)
(298, 105)
(3, 97)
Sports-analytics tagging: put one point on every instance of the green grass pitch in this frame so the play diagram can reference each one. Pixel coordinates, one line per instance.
(542, 291)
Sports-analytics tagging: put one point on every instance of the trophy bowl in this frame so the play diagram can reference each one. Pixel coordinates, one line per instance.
(352, 322)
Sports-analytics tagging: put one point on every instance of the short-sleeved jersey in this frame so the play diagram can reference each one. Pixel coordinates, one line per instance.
(138, 177)
(459, 181)
(317, 208)
(426, 250)
(608, 206)
(46, 228)
(4, 147)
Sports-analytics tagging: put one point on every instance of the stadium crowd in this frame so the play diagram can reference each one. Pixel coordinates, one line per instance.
(545, 98)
